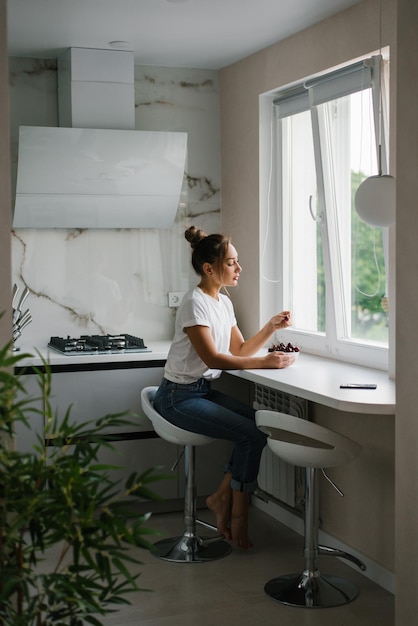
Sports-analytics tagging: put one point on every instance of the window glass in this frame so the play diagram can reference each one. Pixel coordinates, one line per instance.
(304, 282)
(347, 150)
(333, 274)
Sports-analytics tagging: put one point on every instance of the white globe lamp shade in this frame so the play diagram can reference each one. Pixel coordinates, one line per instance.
(375, 200)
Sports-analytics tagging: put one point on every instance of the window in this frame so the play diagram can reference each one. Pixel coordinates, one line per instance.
(319, 259)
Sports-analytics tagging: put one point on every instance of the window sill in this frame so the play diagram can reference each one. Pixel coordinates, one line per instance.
(318, 379)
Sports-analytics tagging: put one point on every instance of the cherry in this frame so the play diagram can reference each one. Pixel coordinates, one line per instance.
(281, 347)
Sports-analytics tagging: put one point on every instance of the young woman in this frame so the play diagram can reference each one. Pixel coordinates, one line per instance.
(207, 340)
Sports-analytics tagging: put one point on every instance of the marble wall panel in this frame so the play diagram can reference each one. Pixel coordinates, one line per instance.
(115, 281)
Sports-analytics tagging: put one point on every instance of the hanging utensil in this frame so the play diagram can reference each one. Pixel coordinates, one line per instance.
(20, 320)
(23, 297)
(14, 294)
(25, 322)
(23, 318)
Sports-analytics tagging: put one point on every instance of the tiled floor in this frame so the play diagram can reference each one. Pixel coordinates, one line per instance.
(230, 591)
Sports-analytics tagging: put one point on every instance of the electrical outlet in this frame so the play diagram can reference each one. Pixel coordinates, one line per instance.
(175, 298)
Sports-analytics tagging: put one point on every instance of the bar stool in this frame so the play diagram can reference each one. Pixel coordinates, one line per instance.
(305, 444)
(189, 548)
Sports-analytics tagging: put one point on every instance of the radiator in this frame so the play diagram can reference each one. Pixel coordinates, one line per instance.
(277, 479)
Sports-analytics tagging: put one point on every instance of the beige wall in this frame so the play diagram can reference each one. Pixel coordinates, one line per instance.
(364, 519)
(406, 541)
(339, 39)
(5, 208)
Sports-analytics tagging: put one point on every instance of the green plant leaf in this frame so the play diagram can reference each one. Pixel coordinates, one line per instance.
(66, 527)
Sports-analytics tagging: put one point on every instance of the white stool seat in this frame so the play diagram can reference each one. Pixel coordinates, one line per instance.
(188, 548)
(303, 443)
(165, 429)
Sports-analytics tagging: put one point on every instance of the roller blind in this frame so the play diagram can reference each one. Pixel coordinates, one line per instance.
(355, 77)
(341, 82)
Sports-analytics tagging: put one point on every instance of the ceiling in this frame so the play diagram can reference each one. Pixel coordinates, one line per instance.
(174, 33)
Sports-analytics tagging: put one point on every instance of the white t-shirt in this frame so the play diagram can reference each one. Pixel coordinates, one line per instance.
(198, 309)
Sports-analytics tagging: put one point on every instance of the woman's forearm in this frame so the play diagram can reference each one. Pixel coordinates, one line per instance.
(270, 360)
(235, 362)
(249, 347)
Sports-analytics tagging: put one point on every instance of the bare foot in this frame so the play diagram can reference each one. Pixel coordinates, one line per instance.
(220, 504)
(239, 532)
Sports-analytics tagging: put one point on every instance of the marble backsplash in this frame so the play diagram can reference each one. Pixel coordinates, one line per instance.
(117, 281)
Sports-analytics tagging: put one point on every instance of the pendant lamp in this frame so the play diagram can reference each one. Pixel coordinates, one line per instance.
(375, 198)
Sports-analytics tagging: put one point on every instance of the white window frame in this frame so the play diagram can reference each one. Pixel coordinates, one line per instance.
(273, 281)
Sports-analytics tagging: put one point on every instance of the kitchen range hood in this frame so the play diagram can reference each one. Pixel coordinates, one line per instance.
(81, 176)
(88, 178)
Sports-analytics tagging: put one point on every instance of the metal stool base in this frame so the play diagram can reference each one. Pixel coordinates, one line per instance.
(311, 592)
(190, 549)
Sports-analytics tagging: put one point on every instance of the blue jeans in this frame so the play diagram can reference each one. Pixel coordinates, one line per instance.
(197, 408)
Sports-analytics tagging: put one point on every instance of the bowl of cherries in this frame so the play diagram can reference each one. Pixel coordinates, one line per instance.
(284, 347)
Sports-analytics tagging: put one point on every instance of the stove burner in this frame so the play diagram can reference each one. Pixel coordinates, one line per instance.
(98, 344)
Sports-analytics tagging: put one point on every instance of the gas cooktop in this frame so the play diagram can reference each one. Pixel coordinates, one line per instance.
(98, 344)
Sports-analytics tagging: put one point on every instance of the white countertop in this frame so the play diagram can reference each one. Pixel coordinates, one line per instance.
(318, 379)
(311, 377)
(159, 351)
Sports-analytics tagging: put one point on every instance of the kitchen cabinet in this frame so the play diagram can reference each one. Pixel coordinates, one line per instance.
(27, 437)
(94, 390)
(96, 393)
(93, 394)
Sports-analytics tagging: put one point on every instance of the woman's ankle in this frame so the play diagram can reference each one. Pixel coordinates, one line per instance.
(240, 502)
(239, 520)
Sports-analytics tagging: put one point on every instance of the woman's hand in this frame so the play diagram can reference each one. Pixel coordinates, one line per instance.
(278, 360)
(281, 320)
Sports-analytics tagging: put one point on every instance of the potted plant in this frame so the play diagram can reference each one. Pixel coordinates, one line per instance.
(60, 502)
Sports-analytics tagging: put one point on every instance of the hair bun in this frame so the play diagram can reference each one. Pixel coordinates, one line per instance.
(194, 235)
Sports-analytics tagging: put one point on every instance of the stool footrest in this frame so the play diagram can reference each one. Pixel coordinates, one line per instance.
(327, 551)
(205, 541)
(207, 525)
(208, 540)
